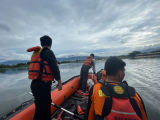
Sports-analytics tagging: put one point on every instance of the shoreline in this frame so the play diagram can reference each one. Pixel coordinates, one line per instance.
(21, 65)
(27, 65)
(2, 66)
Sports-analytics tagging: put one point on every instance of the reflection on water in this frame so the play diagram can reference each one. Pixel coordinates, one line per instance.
(143, 74)
(13, 70)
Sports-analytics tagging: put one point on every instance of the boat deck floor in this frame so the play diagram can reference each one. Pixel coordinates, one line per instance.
(70, 104)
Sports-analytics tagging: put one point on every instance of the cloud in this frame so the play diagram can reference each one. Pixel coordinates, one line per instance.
(17, 54)
(5, 27)
(78, 26)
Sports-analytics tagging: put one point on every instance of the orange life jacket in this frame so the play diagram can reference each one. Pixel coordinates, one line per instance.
(39, 69)
(101, 105)
(122, 113)
(121, 104)
(88, 61)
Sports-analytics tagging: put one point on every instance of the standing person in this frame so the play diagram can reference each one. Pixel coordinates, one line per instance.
(42, 70)
(112, 99)
(88, 63)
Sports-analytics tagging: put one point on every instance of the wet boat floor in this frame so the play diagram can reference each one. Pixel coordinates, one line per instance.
(69, 105)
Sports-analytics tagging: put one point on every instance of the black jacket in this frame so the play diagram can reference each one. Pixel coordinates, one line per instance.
(48, 55)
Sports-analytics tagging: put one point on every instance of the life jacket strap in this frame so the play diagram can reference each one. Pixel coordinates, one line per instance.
(118, 91)
(40, 72)
(42, 64)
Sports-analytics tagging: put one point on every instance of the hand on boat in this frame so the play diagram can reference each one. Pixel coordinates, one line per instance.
(59, 86)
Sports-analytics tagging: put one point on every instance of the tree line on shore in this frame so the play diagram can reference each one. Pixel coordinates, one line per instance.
(14, 65)
(134, 53)
(130, 55)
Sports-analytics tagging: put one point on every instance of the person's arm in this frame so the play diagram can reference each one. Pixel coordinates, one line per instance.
(141, 106)
(59, 84)
(93, 67)
(50, 58)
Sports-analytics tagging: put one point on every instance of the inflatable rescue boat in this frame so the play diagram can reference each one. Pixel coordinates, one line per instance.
(69, 99)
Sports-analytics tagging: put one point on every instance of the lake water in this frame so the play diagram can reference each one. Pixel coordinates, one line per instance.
(143, 74)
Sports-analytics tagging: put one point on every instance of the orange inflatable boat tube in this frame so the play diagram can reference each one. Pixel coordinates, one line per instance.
(58, 97)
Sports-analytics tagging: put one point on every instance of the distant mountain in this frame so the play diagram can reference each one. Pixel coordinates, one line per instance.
(150, 49)
(68, 58)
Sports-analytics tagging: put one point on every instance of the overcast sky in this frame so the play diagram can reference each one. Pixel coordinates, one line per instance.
(78, 27)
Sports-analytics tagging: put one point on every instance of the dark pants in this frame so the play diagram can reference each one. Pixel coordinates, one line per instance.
(84, 77)
(42, 95)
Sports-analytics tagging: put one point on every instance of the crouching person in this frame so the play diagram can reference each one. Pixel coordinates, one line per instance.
(112, 99)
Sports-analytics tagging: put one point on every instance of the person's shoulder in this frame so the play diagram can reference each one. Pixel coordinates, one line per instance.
(98, 85)
(138, 97)
(47, 54)
(46, 50)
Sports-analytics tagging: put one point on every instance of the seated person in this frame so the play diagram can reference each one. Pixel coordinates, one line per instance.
(112, 99)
